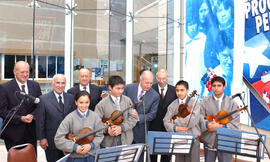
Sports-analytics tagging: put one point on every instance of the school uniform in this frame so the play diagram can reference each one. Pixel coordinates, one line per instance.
(211, 106)
(73, 123)
(193, 127)
(106, 107)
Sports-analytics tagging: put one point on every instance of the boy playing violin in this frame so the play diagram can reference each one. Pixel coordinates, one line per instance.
(120, 134)
(211, 106)
(187, 122)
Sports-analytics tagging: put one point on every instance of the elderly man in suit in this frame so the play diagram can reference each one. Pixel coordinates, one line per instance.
(167, 96)
(135, 92)
(93, 90)
(52, 109)
(21, 129)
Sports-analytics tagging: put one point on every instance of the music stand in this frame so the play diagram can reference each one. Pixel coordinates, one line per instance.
(240, 143)
(169, 143)
(63, 159)
(123, 153)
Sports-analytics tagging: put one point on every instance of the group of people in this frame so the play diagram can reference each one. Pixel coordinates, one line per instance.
(59, 114)
(210, 28)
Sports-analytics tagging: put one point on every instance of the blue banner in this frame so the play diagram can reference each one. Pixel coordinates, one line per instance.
(257, 58)
(209, 44)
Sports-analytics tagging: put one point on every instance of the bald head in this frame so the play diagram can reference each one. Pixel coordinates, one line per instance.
(146, 80)
(162, 77)
(21, 71)
(84, 76)
(59, 83)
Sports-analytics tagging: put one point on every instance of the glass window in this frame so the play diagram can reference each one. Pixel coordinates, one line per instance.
(9, 65)
(60, 65)
(42, 66)
(51, 66)
(150, 36)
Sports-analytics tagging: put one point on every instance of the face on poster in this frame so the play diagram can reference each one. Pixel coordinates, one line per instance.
(209, 44)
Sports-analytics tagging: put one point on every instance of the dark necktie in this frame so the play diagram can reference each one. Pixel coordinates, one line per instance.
(61, 104)
(84, 88)
(23, 88)
(162, 94)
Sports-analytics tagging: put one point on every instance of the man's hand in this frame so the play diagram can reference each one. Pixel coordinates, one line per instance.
(212, 126)
(134, 112)
(181, 129)
(104, 94)
(43, 143)
(27, 119)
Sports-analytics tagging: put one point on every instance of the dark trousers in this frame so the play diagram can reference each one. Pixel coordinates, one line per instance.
(164, 158)
(28, 137)
(53, 155)
(211, 155)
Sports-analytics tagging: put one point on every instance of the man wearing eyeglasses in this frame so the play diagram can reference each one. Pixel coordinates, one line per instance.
(167, 96)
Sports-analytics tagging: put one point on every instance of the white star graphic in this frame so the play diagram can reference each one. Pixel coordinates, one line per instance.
(253, 54)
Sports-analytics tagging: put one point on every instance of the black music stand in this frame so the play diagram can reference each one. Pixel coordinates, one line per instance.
(240, 143)
(123, 153)
(169, 143)
(63, 159)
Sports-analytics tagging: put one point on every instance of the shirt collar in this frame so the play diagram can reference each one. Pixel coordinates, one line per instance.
(140, 89)
(114, 98)
(164, 89)
(87, 87)
(184, 100)
(81, 114)
(57, 95)
(221, 98)
(20, 84)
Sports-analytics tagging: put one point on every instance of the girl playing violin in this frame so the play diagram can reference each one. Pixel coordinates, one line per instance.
(184, 124)
(80, 118)
(120, 134)
(210, 106)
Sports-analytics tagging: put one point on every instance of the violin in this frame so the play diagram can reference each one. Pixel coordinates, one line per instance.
(84, 136)
(116, 117)
(78, 138)
(222, 116)
(183, 109)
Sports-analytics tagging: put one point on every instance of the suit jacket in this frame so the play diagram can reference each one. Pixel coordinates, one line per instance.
(157, 124)
(151, 99)
(50, 116)
(9, 99)
(95, 94)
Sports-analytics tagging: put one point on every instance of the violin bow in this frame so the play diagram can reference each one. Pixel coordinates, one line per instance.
(193, 107)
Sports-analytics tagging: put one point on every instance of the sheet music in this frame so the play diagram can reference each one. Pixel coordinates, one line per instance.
(182, 143)
(249, 143)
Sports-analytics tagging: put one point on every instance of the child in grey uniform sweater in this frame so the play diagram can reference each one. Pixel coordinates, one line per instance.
(80, 118)
(117, 134)
(188, 124)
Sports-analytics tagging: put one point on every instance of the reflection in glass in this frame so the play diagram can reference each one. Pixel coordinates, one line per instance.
(9, 63)
(41, 66)
(51, 66)
(60, 65)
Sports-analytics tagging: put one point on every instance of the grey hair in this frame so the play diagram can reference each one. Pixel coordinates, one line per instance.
(20, 62)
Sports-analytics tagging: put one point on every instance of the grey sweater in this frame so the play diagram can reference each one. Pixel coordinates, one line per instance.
(209, 106)
(193, 126)
(72, 124)
(106, 107)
